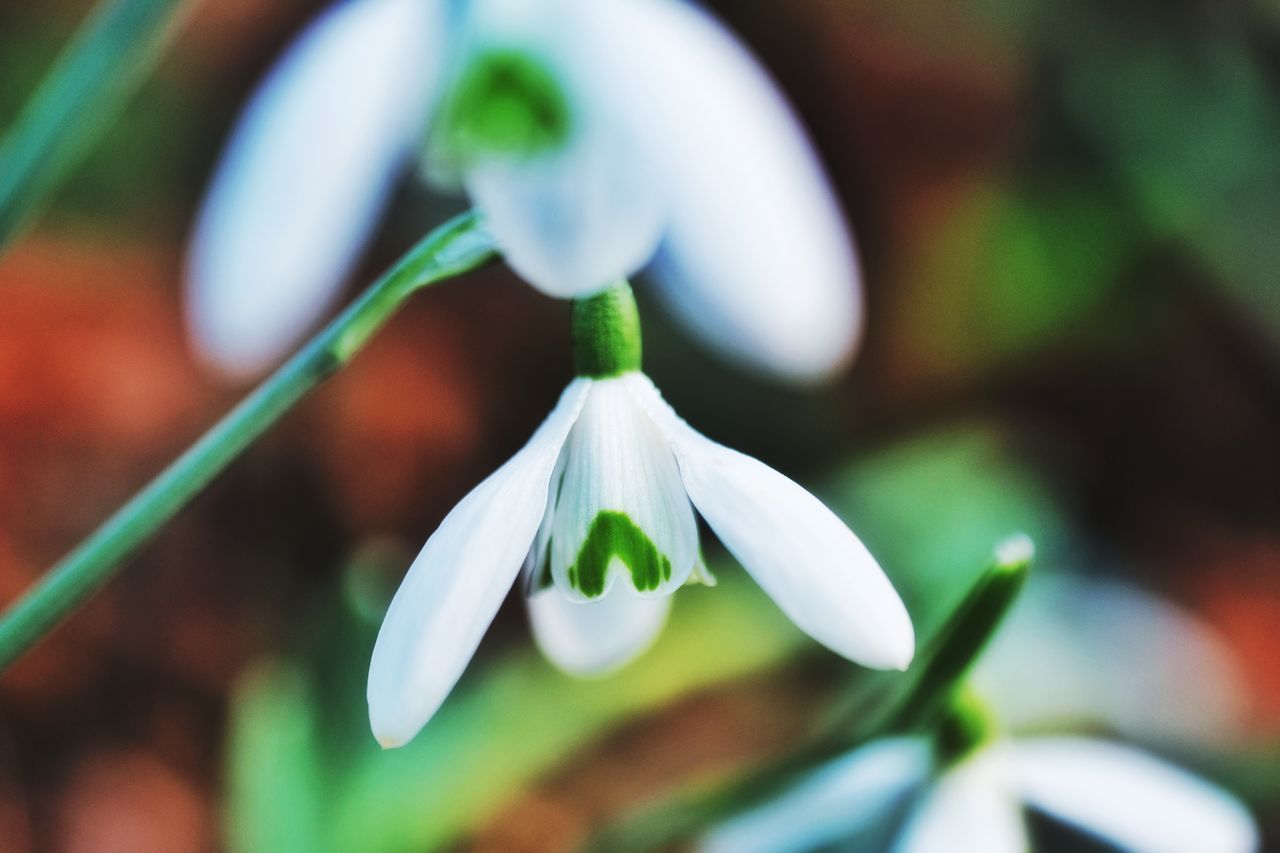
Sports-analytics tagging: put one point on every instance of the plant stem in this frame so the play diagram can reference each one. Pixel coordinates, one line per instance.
(961, 641)
(90, 82)
(454, 248)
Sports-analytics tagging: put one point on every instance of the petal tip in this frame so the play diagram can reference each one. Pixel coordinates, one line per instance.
(903, 654)
(388, 742)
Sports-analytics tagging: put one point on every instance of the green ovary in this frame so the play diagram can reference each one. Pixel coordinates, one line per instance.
(614, 534)
(508, 102)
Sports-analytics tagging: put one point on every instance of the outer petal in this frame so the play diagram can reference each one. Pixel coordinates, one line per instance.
(622, 511)
(576, 219)
(595, 637)
(757, 258)
(836, 802)
(804, 557)
(1130, 798)
(457, 583)
(305, 174)
(971, 809)
(1098, 651)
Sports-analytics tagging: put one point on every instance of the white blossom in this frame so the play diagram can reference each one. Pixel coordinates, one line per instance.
(599, 511)
(678, 153)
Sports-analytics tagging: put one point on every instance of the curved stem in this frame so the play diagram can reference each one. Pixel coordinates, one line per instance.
(89, 83)
(454, 248)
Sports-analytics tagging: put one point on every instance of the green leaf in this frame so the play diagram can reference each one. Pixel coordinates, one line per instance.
(275, 772)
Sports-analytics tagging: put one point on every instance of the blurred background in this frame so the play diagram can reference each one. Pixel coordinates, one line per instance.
(1069, 215)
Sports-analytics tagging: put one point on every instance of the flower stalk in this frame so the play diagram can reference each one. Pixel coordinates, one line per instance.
(606, 333)
(957, 647)
(455, 248)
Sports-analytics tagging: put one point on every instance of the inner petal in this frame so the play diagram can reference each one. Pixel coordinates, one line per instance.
(622, 509)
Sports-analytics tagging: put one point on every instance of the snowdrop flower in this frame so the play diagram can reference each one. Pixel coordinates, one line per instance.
(974, 801)
(599, 510)
(596, 137)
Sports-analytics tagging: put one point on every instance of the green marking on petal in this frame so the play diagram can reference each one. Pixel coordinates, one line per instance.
(614, 534)
(506, 101)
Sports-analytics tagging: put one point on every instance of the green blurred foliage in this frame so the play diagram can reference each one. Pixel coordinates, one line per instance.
(934, 540)
(302, 757)
(138, 174)
(1182, 109)
(1012, 268)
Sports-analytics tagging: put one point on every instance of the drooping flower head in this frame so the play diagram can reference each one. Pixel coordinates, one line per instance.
(596, 137)
(599, 510)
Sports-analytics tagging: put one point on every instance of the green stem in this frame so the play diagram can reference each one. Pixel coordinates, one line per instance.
(606, 333)
(454, 248)
(957, 647)
(90, 82)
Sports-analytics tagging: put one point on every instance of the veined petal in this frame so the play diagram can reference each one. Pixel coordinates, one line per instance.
(304, 176)
(536, 565)
(455, 586)
(596, 637)
(831, 805)
(622, 511)
(807, 560)
(970, 809)
(757, 258)
(578, 216)
(1131, 798)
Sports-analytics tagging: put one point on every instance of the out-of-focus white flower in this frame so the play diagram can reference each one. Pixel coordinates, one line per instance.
(599, 510)
(1090, 651)
(593, 135)
(1116, 793)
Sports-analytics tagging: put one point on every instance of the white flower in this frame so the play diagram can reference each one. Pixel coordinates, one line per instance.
(598, 136)
(1098, 652)
(599, 509)
(1116, 793)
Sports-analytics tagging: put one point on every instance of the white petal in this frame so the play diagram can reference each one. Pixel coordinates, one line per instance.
(306, 172)
(807, 560)
(457, 583)
(1100, 651)
(834, 803)
(758, 257)
(596, 637)
(536, 564)
(971, 809)
(576, 219)
(1131, 798)
(620, 474)
(572, 222)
